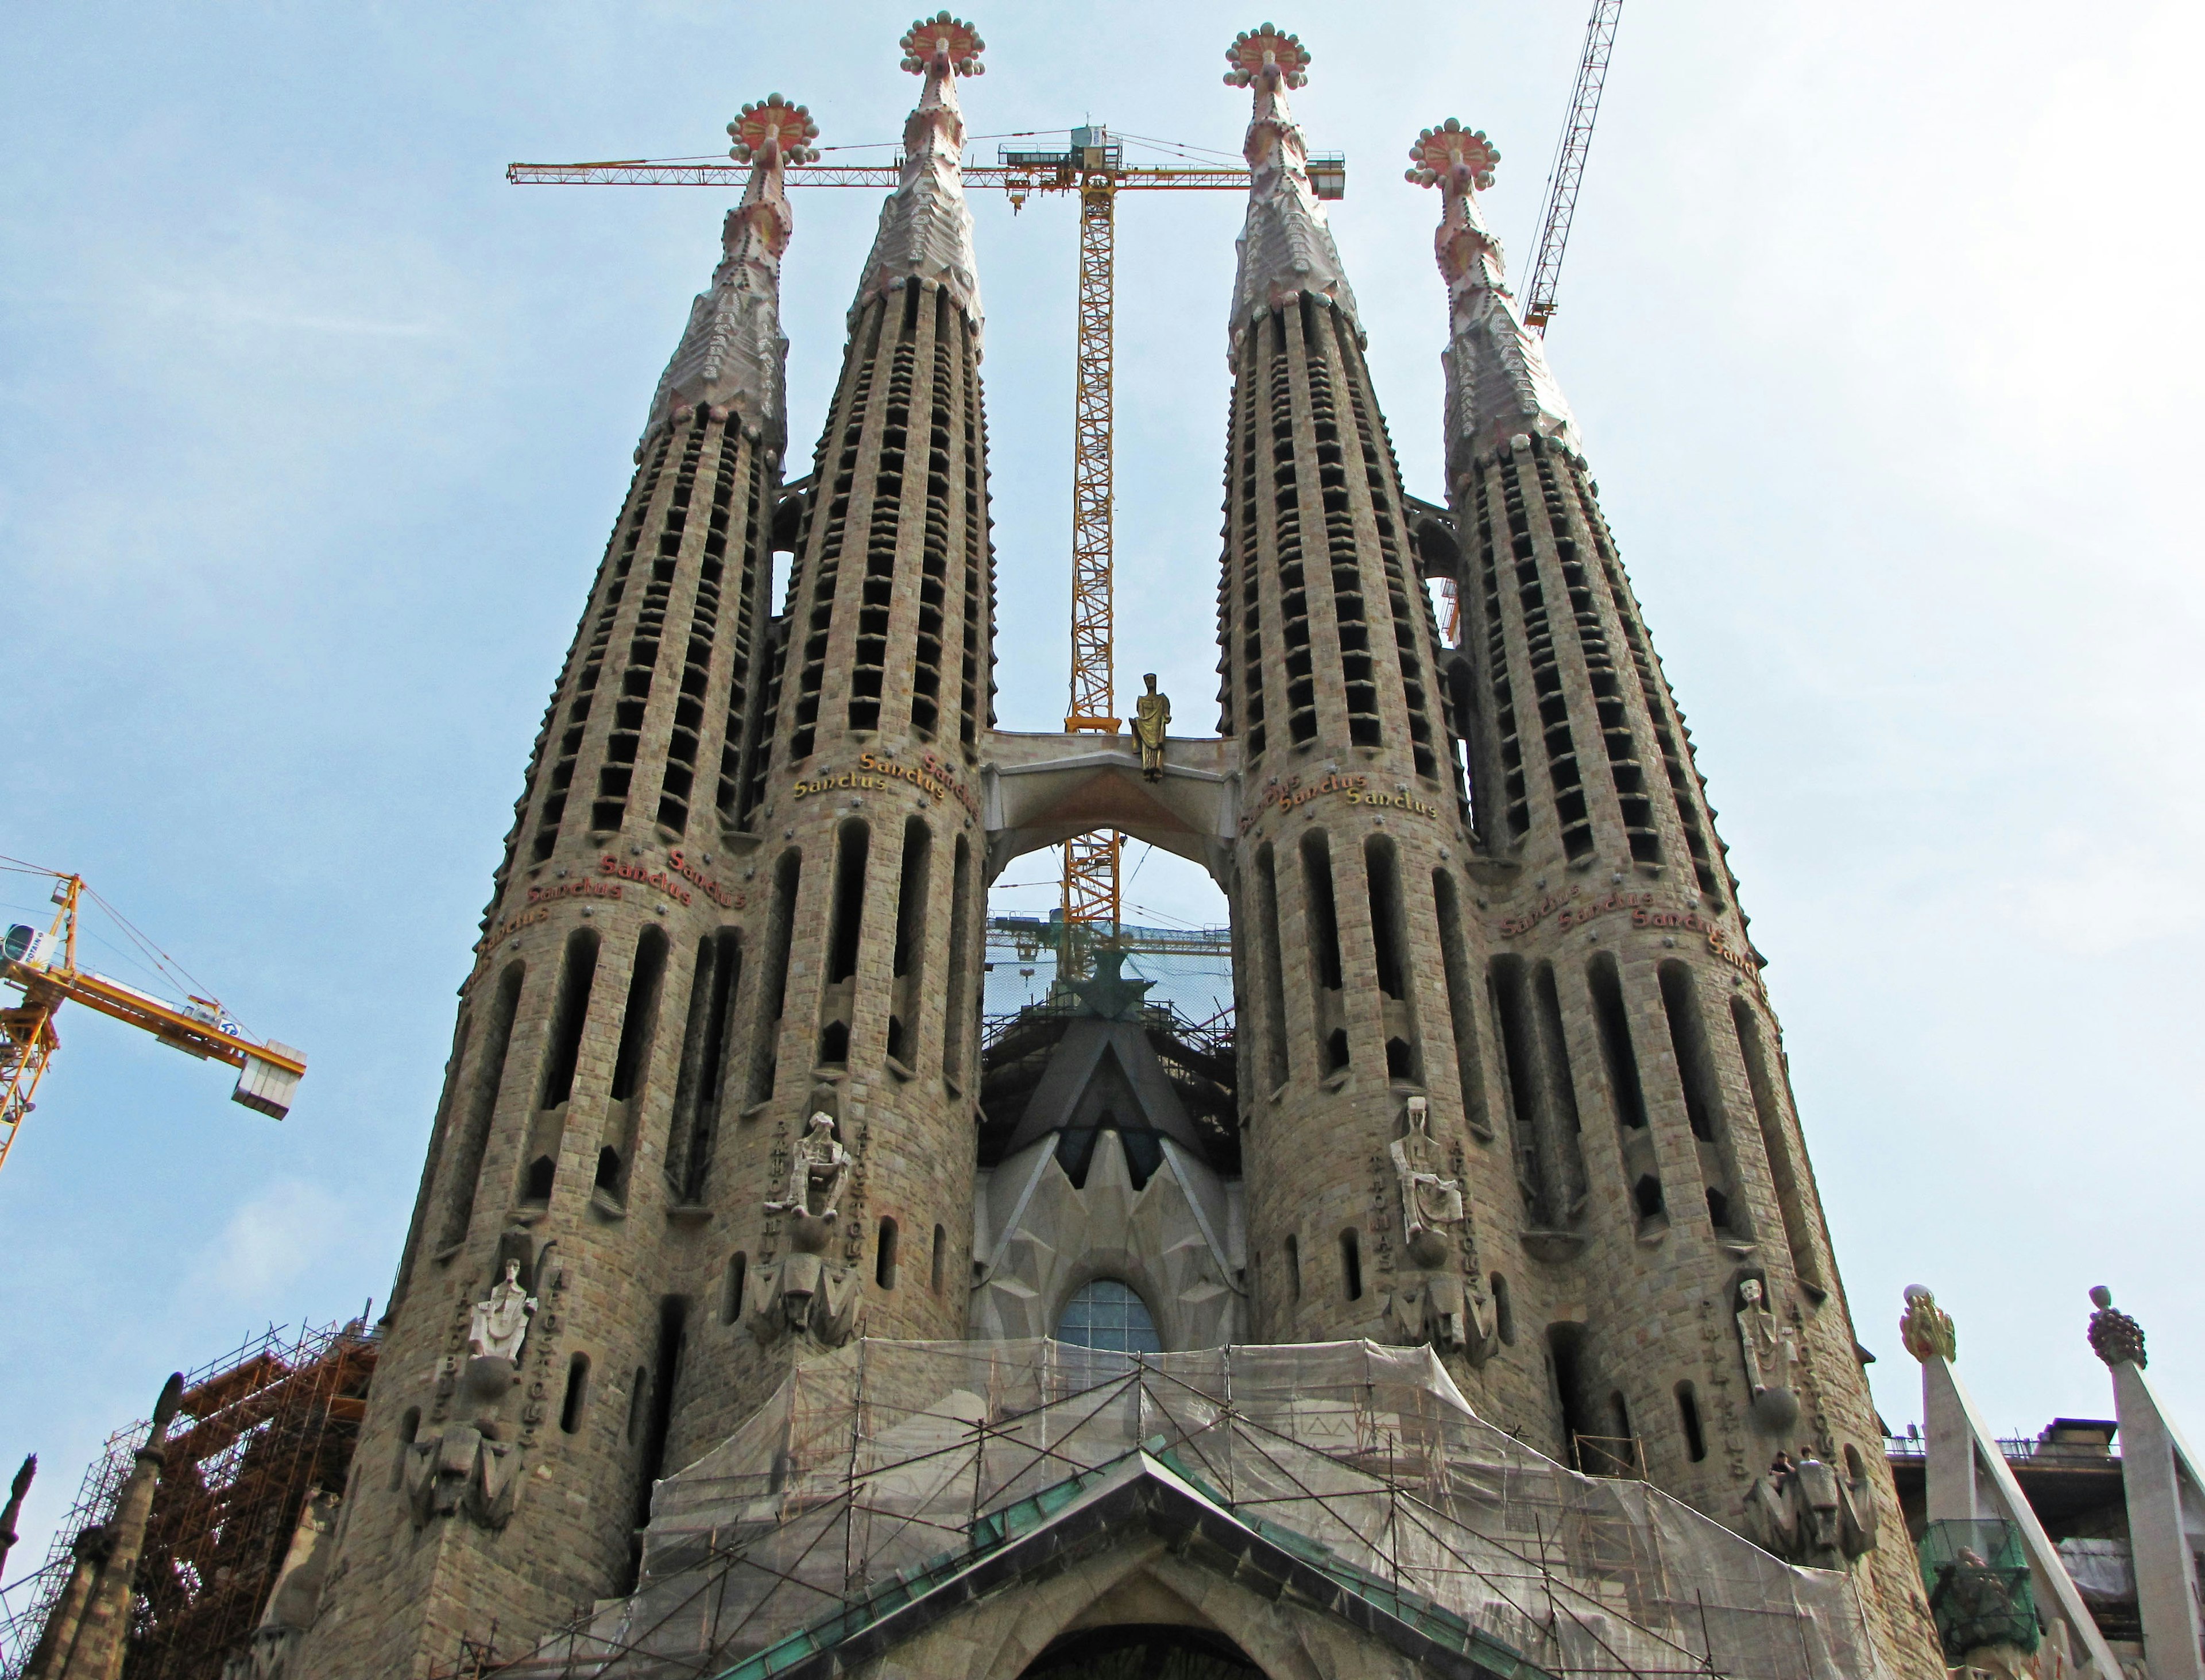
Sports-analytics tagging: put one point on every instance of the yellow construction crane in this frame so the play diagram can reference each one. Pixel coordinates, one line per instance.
(41, 967)
(1093, 167)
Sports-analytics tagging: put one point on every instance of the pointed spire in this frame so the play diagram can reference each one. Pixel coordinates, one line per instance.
(1498, 381)
(1285, 248)
(926, 228)
(732, 357)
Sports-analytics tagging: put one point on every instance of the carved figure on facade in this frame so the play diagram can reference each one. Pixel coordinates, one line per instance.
(1810, 1513)
(471, 1465)
(1770, 1351)
(1926, 1330)
(2115, 1336)
(1437, 1308)
(1151, 717)
(499, 1325)
(804, 1292)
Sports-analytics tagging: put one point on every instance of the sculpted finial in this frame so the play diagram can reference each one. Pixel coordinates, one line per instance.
(942, 44)
(1269, 54)
(1927, 1330)
(2115, 1336)
(1451, 157)
(773, 130)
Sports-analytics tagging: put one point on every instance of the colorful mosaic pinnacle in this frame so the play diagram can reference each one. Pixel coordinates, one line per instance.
(1269, 52)
(944, 42)
(1459, 158)
(773, 128)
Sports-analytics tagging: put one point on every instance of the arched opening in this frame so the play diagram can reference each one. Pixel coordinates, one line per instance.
(1351, 1263)
(1111, 1653)
(1109, 1314)
(884, 1257)
(578, 1388)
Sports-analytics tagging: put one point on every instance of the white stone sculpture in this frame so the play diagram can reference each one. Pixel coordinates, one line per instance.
(500, 1324)
(817, 1169)
(1430, 1202)
(1769, 1351)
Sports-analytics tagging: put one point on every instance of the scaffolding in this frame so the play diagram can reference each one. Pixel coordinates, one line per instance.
(261, 1430)
(886, 1474)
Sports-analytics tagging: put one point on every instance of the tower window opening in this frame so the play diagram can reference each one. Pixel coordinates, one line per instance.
(577, 1387)
(1776, 1145)
(884, 1256)
(1646, 1197)
(1389, 936)
(845, 929)
(1323, 917)
(773, 977)
(638, 1392)
(701, 1074)
(639, 1023)
(1687, 1415)
(407, 1427)
(479, 1107)
(1462, 1003)
(609, 1170)
(1622, 1061)
(1351, 1263)
(910, 940)
(938, 1272)
(1109, 1315)
(657, 1417)
(1274, 972)
(569, 1015)
(1573, 1389)
(1294, 1269)
(536, 1184)
(1696, 1073)
(961, 985)
(731, 1302)
(1503, 1311)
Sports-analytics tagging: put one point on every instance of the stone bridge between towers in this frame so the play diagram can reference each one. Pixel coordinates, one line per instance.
(1038, 790)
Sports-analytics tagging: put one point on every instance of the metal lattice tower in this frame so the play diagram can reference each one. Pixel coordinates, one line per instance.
(1568, 173)
(1091, 891)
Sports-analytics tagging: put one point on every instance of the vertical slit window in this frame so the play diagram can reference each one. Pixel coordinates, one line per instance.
(961, 985)
(910, 963)
(1274, 979)
(1293, 1268)
(1323, 915)
(938, 1274)
(1776, 1144)
(773, 977)
(1688, 1415)
(1389, 936)
(1462, 1003)
(731, 1300)
(701, 1075)
(845, 929)
(578, 1390)
(1351, 1263)
(463, 1166)
(1695, 1072)
(568, 1017)
(1503, 1311)
(884, 1256)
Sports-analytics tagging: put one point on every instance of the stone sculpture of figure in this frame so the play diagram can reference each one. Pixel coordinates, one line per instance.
(1807, 1513)
(1430, 1203)
(500, 1324)
(1151, 717)
(1769, 1351)
(816, 1172)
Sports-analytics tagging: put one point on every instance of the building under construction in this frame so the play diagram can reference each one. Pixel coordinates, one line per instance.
(255, 1465)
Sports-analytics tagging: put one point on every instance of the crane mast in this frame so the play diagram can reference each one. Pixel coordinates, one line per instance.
(1567, 174)
(1093, 166)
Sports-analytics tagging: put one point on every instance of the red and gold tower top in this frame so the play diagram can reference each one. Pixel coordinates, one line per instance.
(926, 230)
(940, 44)
(1498, 381)
(732, 357)
(1286, 248)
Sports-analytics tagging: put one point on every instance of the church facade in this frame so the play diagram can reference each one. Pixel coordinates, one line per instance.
(1506, 1111)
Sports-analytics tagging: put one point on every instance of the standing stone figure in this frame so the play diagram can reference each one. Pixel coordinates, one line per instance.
(1769, 1351)
(1151, 717)
(1429, 1201)
(500, 1323)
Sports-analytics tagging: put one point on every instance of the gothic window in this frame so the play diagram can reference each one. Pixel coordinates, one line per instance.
(1109, 1314)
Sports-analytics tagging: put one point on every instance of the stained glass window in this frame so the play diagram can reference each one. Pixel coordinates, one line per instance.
(1109, 1314)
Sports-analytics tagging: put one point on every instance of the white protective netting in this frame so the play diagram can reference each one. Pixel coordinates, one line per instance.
(881, 1457)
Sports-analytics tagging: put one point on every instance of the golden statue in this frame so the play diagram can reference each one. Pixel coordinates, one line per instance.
(1151, 717)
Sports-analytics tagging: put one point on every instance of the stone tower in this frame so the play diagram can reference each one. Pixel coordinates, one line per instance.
(502, 1481)
(1347, 898)
(1663, 1282)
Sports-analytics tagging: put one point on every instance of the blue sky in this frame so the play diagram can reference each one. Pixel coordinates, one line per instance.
(311, 429)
